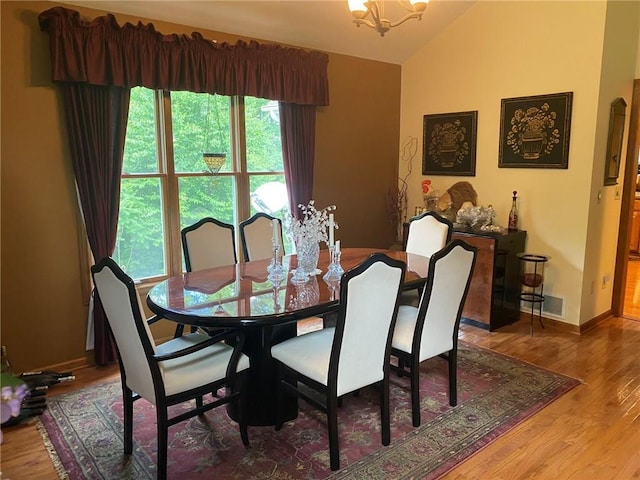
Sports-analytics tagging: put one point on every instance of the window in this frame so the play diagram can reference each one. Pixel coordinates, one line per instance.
(167, 186)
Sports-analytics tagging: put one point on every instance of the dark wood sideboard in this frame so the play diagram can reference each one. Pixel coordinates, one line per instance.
(493, 300)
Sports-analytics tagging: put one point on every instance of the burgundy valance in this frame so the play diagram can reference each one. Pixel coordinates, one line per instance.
(101, 52)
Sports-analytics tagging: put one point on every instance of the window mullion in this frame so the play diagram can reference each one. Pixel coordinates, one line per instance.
(239, 145)
(171, 208)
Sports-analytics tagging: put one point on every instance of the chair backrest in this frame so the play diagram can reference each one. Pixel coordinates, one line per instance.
(428, 233)
(121, 303)
(256, 237)
(368, 307)
(208, 243)
(443, 298)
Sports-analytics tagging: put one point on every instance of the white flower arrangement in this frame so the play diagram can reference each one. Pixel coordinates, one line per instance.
(314, 224)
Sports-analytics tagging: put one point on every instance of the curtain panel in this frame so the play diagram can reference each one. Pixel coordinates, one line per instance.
(101, 52)
(297, 130)
(96, 120)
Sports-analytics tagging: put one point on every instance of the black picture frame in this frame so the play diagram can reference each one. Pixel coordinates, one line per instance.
(614, 141)
(535, 130)
(449, 144)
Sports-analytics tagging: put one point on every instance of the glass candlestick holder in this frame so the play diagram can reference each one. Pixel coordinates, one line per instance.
(275, 268)
(275, 293)
(299, 277)
(335, 270)
(334, 286)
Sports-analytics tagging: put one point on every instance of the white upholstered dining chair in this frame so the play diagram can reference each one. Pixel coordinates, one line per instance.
(180, 370)
(207, 243)
(355, 353)
(428, 233)
(431, 329)
(256, 237)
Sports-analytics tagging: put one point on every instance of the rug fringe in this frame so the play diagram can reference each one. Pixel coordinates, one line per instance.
(53, 455)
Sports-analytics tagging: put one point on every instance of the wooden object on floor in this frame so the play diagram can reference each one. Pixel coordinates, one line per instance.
(494, 295)
(590, 433)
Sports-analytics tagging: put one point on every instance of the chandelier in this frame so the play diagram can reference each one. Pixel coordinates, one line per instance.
(371, 13)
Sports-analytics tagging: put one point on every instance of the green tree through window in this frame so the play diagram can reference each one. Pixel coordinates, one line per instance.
(166, 185)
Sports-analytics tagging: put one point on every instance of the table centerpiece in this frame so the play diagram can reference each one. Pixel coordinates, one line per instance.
(314, 227)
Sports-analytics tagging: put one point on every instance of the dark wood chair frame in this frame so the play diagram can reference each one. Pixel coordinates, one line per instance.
(234, 381)
(409, 363)
(289, 378)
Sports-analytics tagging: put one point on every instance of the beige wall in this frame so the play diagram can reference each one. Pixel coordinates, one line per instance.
(43, 306)
(499, 50)
(616, 76)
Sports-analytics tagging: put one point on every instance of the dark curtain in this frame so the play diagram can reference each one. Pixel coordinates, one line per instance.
(101, 52)
(97, 62)
(298, 132)
(97, 122)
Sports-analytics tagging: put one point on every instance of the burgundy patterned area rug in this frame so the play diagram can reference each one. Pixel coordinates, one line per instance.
(496, 393)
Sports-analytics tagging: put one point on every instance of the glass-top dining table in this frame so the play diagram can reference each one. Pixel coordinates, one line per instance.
(241, 296)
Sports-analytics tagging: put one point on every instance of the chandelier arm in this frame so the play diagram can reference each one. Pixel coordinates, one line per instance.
(405, 18)
(373, 17)
(374, 10)
(364, 21)
(409, 6)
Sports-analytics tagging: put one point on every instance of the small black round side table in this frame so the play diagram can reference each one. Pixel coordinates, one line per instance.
(532, 282)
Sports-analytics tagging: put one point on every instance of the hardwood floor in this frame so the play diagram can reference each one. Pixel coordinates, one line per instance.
(591, 433)
(632, 290)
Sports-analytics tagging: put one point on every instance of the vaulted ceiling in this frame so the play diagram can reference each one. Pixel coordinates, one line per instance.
(322, 25)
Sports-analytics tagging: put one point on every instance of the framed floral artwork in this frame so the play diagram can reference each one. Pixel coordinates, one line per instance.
(449, 146)
(534, 131)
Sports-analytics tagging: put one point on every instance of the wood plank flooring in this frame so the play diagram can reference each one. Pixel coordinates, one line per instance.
(632, 290)
(591, 433)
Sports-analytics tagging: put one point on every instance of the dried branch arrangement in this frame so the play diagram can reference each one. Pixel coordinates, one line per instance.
(397, 196)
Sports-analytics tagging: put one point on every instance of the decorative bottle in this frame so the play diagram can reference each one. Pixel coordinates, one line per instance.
(513, 214)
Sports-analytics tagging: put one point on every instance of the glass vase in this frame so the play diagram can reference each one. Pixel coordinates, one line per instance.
(308, 251)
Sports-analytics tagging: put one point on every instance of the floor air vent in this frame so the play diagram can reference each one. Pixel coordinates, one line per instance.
(553, 305)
